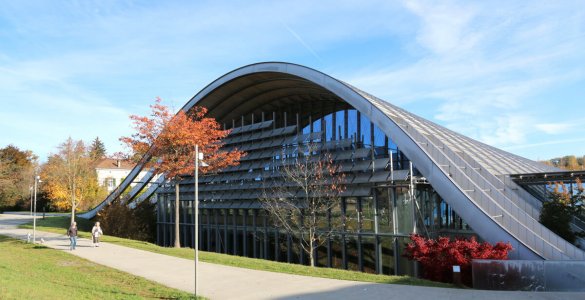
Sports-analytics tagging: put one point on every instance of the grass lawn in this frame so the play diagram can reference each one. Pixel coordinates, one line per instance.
(30, 271)
(60, 225)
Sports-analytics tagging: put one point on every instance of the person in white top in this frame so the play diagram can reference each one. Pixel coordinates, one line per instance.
(96, 232)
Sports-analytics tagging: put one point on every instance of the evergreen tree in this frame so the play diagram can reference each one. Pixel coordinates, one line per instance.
(97, 150)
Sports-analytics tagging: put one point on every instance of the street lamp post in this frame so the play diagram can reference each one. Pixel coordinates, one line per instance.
(198, 162)
(31, 200)
(196, 213)
(37, 180)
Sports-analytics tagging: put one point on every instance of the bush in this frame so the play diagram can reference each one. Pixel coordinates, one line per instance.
(437, 257)
(138, 224)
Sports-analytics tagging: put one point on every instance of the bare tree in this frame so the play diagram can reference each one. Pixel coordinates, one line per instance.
(301, 199)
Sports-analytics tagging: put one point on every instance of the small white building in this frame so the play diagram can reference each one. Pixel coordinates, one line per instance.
(111, 172)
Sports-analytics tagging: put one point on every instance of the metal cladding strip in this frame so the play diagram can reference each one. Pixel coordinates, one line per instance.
(144, 181)
(474, 193)
(148, 193)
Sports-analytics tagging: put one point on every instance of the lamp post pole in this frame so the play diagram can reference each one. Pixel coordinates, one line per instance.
(31, 200)
(37, 177)
(196, 206)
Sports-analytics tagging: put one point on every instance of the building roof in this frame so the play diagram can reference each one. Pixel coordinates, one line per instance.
(118, 164)
(474, 178)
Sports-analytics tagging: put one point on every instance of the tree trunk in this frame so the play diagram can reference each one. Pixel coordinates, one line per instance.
(73, 203)
(177, 230)
(312, 248)
(73, 212)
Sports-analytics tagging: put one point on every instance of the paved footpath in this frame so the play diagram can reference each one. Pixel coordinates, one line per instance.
(223, 282)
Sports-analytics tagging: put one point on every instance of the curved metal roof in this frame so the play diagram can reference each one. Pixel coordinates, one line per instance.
(468, 174)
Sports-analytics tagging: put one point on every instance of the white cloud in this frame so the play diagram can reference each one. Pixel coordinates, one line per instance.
(484, 65)
(554, 128)
(444, 27)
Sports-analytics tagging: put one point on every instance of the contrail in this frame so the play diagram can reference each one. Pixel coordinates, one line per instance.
(302, 41)
(557, 142)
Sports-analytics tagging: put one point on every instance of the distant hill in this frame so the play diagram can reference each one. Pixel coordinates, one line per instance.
(569, 162)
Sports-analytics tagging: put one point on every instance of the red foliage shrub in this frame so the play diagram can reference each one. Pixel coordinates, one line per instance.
(437, 257)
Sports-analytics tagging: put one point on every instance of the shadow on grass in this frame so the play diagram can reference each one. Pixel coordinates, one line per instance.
(40, 247)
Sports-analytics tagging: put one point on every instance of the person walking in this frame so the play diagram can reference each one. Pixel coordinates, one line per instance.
(96, 232)
(72, 234)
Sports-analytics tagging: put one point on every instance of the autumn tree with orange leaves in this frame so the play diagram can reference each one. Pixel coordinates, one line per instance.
(170, 142)
(69, 178)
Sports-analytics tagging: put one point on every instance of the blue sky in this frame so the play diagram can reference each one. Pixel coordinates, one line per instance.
(511, 74)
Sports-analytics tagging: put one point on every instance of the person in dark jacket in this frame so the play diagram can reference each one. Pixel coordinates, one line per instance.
(72, 234)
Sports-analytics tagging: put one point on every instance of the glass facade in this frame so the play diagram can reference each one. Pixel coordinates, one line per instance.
(379, 208)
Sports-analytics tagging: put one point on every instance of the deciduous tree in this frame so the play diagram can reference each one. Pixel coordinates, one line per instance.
(69, 177)
(16, 175)
(170, 141)
(301, 199)
(568, 162)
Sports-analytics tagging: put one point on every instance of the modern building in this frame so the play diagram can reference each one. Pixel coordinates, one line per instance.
(403, 174)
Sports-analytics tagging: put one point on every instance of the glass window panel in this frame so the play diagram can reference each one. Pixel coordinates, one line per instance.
(352, 254)
(351, 214)
(282, 255)
(388, 258)
(250, 219)
(329, 127)
(317, 125)
(250, 243)
(271, 245)
(405, 266)
(366, 134)
(221, 217)
(403, 211)
(352, 123)
(340, 123)
(203, 239)
(378, 137)
(367, 214)
(239, 217)
(296, 251)
(369, 254)
(322, 256)
(384, 211)
(336, 253)
(306, 129)
(336, 219)
(212, 240)
(240, 242)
